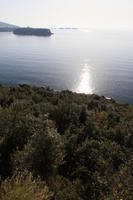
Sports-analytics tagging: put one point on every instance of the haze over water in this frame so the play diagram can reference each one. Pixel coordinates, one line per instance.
(83, 61)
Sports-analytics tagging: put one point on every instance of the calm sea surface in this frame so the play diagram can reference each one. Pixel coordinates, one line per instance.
(82, 61)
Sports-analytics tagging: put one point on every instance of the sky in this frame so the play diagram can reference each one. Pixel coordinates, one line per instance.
(93, 14)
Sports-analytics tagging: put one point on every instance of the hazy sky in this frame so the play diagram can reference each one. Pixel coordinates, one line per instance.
(72, 13)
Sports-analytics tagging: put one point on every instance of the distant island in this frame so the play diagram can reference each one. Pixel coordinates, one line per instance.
(5, 27)
(33, 31)
(68, 28)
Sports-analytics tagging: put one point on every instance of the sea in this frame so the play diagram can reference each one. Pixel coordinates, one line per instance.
(83, 61)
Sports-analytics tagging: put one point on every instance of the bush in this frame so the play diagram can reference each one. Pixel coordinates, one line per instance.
(42, 154)
(24, 187)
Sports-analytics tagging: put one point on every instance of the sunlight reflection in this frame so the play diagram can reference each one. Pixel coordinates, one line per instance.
(84, 84)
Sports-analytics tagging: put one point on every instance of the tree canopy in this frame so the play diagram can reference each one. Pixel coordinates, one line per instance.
(64, 145)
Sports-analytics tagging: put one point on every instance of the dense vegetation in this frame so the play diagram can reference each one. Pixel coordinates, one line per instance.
(64, 146)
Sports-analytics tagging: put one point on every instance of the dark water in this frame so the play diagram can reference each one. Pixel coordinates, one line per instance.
(82, 61)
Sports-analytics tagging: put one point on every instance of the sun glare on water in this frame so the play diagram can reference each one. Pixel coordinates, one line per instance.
(84, 84)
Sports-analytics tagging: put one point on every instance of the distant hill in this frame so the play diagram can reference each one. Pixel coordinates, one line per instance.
(5, 27)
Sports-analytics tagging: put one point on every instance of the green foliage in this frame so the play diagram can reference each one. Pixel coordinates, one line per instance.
(42, 154)
(80, 145)
(65, 189)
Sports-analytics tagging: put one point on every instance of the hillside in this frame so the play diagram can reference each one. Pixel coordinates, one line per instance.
(81, 146)
(6, 25)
